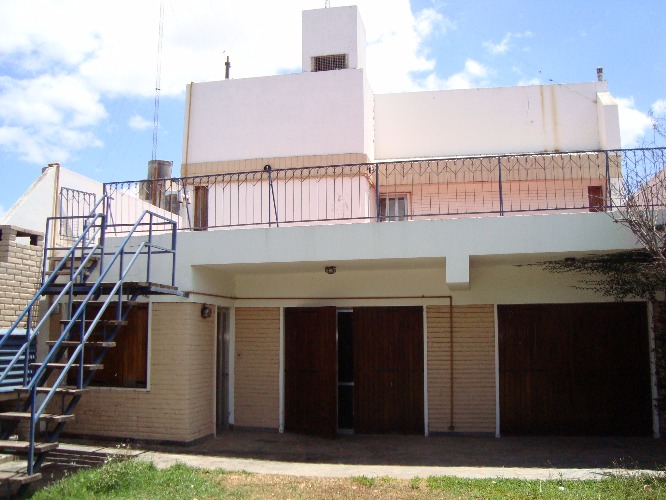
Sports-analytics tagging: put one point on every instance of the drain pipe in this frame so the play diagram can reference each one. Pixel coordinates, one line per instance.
(451, 426)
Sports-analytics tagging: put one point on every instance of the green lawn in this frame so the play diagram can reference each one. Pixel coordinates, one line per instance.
(138, 479)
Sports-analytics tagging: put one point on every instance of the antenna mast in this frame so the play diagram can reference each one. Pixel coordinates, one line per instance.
(156, 114)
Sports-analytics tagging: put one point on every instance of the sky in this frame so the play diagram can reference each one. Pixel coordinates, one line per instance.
(78, 77)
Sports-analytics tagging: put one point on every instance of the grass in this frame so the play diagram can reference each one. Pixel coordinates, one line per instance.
(135, 479)
(142, 480)
(643, 486)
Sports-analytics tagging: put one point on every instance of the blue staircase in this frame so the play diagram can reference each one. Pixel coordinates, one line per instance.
(86, 279)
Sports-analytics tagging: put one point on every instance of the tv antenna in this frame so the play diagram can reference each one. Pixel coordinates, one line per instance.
(156, 113)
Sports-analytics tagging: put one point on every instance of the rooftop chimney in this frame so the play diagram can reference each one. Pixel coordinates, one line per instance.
(226, 71)
(600, 74)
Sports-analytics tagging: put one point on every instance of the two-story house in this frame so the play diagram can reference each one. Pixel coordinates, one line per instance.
(358, 262)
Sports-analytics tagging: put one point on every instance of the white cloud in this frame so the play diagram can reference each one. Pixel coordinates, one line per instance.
(530, 81)
(659, 108)
(503, 46)
(61, 65)
(473, 75)
(48, 117)
(137, 122)
(633, 123)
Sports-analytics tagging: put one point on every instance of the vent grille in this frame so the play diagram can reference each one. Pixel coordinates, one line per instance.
(330, 62)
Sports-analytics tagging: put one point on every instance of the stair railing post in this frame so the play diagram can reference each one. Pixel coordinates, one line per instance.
(378, 193)
(150, 244)
(174, 233)
(79, 372)
(26, 361)
(120, 288)
(501, 194)
(106, 209)
(31, 438)
(46, 249)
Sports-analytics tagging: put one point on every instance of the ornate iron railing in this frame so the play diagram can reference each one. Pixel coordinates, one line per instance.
(402, 190)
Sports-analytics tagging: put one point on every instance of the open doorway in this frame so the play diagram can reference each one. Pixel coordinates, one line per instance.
(345, 372)
(356, 371)
(222, 371)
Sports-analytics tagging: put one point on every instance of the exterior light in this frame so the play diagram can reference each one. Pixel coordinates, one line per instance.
(330, 269)
(206, 311)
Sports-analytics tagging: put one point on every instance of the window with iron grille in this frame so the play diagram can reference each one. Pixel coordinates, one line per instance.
(330, 62)
(393, 207)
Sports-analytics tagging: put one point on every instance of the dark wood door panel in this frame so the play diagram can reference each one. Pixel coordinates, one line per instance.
(574, 369)
(388, 370)
(310, 388)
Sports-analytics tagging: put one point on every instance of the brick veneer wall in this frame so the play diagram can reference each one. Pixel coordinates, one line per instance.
(473, 368)
(179, 403)
(20, 271)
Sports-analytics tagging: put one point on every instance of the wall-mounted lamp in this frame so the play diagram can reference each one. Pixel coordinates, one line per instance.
(206, 311)
(330, 269)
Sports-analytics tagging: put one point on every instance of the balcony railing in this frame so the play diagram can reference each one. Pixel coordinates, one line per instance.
(402, 190)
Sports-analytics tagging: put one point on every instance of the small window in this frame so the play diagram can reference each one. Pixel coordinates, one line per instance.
(393, 208)
(328, 63)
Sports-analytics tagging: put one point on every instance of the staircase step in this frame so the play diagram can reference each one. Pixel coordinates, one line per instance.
(18, 478)
(101, 322)
(67, 272)
(60, 366)
(8, 444)
(66, 391)
(77, 258)
(126, 303)
(49, 417)
(74, 343)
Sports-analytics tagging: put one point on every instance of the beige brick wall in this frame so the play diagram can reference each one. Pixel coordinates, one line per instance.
(256, 397)
(20, 271)
(179, 404)
(473, 368)
(254, 164)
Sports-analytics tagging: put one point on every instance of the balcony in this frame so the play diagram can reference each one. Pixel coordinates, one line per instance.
(420, 189)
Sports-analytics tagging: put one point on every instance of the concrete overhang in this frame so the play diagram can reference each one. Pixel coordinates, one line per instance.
(453, 244)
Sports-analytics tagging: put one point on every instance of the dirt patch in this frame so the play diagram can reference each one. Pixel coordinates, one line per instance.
(297, 487)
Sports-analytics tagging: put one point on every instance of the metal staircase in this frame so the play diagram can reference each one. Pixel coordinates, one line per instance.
(87, 278)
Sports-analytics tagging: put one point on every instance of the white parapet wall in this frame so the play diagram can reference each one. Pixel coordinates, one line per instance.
(319, 113)
(495, 120)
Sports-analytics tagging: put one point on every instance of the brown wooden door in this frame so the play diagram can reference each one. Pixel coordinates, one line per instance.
(388, 370)
(200, 208)
(126, 364)
(310, 382)
(574, 369)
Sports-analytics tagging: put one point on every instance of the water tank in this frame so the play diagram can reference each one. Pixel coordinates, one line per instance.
(154, 189)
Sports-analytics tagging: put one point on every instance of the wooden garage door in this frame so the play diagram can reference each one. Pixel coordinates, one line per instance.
(310, 384)
(388, 370)
(572, 369)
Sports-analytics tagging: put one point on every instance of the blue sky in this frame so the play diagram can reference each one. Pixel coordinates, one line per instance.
(77, 81)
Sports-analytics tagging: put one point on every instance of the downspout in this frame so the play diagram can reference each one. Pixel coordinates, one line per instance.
(451, 426)
(187, 134)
